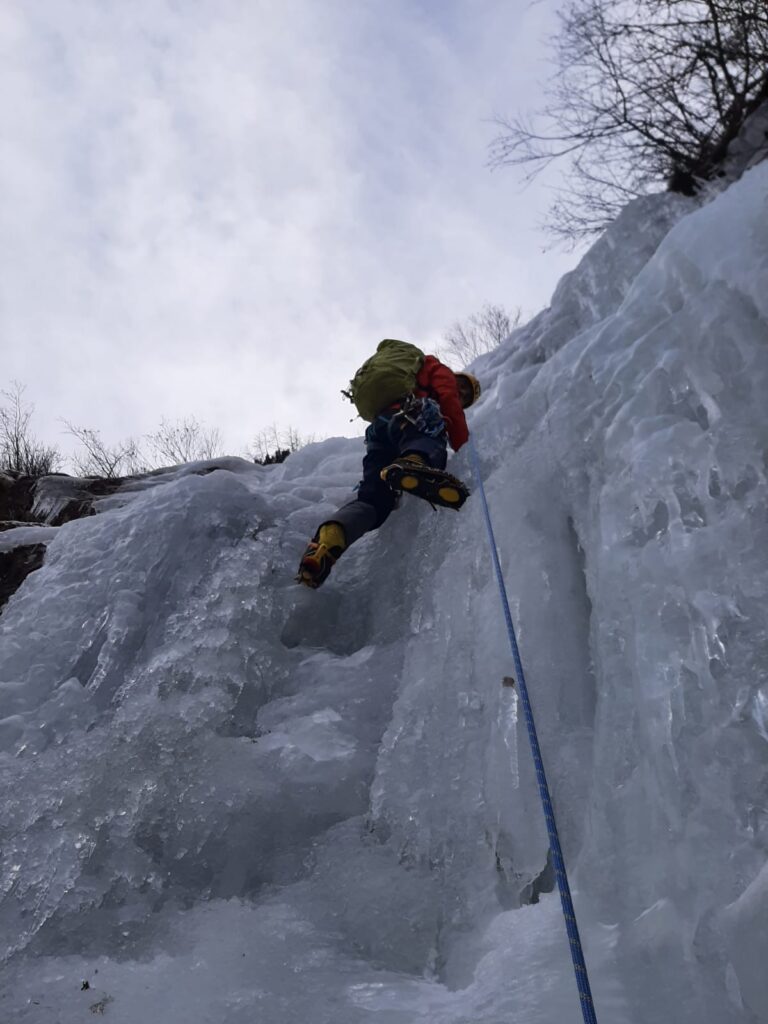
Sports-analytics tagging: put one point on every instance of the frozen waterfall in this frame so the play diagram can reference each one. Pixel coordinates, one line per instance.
(229, 800)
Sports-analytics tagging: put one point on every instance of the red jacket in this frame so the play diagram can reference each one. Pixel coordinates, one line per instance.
(436, 381)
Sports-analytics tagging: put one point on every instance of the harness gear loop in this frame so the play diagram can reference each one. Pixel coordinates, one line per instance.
(421, 412)
(577, 953)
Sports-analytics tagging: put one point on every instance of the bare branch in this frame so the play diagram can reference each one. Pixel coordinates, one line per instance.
(20, 451)
(481, 332)
(97, 458)
(648, 94)
(186, 440)
(274, 444)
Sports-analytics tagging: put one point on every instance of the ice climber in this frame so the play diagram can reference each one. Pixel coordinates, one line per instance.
(414, 405)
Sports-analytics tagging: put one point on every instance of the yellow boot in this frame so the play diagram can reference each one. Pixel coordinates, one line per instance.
(323, 551)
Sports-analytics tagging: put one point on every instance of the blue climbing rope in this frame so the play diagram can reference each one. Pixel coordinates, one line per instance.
(577, 953)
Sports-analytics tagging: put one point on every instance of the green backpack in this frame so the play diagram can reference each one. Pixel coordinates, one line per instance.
(388, 375)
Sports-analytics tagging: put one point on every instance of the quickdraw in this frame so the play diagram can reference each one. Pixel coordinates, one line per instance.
(424, 414)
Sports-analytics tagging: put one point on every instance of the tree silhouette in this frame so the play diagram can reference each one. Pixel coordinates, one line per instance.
(648, 93)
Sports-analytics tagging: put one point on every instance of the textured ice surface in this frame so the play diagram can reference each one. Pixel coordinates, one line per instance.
(228, 799)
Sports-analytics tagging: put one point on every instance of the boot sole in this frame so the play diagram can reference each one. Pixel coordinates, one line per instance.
(436, 490)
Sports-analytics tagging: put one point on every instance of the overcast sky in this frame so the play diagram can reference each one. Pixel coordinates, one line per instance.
(219, 207)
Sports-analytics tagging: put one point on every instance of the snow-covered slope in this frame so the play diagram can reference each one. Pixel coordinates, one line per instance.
(228, 799)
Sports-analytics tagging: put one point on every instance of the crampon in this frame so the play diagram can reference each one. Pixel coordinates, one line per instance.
(433, 485)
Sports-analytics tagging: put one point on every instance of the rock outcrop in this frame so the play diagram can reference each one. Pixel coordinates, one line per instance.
(27, 501)
(30, 504)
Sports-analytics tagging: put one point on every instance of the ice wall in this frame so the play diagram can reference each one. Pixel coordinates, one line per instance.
(627, 473)
(228, 799)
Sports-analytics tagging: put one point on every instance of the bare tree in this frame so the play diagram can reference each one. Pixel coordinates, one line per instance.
(275, 444)
(481, 332)
(648, 94)
(97, 458)
(20, 452)
(187, 440)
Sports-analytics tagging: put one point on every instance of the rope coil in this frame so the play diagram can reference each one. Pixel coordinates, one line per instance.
(574, 940)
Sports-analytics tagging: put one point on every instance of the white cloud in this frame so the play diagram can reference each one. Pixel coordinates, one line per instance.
(219, 208)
